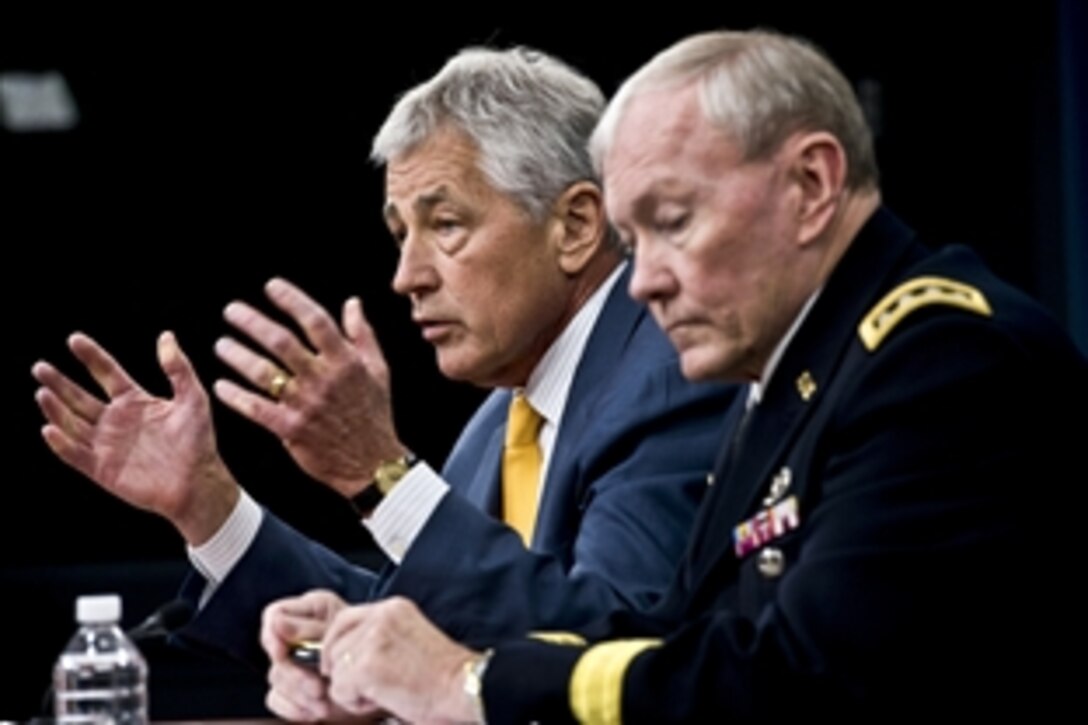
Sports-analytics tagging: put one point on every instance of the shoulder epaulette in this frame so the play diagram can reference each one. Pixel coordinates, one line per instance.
(912, 295)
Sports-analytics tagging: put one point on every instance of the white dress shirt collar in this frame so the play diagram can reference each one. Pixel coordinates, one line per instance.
(549, 384)
(755, 390)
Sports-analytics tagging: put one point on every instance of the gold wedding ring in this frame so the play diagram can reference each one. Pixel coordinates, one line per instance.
(278, 383)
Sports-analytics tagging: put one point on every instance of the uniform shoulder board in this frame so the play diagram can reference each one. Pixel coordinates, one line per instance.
(912, 295)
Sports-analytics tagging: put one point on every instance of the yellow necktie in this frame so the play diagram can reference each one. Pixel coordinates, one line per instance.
(521, 460)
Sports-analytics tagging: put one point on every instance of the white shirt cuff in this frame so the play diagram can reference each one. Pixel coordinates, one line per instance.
(401, 515)
(215, 558)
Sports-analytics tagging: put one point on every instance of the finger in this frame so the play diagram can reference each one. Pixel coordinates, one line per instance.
(288, 709)
(257, 369)
(349, 700)
(272, 640)
(74, 397)
(336, 651)
(269, 415)
(320, 603)
(317, 603)
(318, 325)
(175, 363)
(302, 689)
(60, 415)
(106, 371)
(294, 619)
(271, 335)
(347, 622)
(364, 340)
(283, 708)
(69, 450)
(299, 684)
(295, 629)
(349, 681)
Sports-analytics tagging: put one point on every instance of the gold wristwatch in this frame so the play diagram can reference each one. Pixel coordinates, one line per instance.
(386, 477)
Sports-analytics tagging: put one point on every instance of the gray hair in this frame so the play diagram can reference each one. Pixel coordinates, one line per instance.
(759, 88)
(529, 114)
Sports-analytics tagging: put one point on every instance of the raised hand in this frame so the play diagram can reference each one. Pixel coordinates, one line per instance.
(158, 454)
(326, 399)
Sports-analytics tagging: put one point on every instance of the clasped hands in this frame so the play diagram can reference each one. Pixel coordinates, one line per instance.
(377, 658)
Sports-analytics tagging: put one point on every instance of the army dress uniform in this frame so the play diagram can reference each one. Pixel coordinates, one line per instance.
(892, 539)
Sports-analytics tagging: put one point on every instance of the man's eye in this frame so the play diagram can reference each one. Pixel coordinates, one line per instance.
(673, 224)
(447, 226)
(450, 233)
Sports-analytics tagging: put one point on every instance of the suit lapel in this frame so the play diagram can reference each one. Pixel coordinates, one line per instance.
(617, 322)
(474, 467)
(486, 488)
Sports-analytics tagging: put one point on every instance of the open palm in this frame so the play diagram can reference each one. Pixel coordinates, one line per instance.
(158, 454)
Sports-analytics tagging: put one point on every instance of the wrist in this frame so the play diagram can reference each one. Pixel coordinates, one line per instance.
(210, 505)
(387, 475)
(472, 684)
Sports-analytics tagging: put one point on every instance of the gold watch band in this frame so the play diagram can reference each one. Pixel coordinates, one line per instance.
(387, 476)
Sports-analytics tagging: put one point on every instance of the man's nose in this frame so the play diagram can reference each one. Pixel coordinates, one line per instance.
(415, 272)
(651, 278)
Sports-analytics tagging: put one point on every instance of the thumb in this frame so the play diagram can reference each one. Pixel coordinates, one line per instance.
(298, 629)
(364, 340)
(318, 604)
(356, 326)
(176, 365)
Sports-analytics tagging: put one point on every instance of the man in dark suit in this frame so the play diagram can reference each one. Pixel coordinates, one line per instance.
(871, 549)
(517, 281)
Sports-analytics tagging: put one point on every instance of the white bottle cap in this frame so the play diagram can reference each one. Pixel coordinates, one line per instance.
(98, 609)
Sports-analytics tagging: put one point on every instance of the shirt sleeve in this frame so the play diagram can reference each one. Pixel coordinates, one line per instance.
(404, 512)
(215, 558)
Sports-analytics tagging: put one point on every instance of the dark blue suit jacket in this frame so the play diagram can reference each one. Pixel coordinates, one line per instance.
(628, 470)
(925, 575)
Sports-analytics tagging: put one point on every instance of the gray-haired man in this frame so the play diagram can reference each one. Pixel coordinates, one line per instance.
(515, 279)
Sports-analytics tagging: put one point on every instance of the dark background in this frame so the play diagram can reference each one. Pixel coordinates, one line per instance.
(214, 152)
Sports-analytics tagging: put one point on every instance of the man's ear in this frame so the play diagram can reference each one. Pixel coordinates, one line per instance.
(818, 165)
(580, 225)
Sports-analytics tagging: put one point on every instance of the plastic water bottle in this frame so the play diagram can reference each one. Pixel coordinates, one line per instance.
(101, 675)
